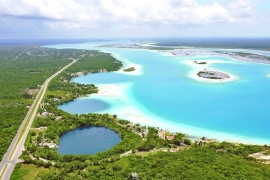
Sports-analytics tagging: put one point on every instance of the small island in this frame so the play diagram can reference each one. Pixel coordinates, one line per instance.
(212, 74)
(129, 69)
(196, 62)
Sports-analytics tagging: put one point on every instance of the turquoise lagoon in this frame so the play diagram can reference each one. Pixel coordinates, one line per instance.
(164, 96)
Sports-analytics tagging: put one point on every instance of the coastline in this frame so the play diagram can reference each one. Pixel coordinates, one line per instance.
(137, 72)
(118, 97)
(255, 58)
(121, 101)
(127, 64)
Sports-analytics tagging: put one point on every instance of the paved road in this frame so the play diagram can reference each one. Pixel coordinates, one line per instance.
(12, 155)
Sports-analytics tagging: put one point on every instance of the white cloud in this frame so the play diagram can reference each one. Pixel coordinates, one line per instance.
(95, 14)
(241, 10)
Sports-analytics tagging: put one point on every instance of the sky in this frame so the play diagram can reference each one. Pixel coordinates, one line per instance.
(54, 19)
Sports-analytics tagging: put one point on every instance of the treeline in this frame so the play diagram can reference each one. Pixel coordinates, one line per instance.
(194, 163)
(93, 63)
(22, 71)
(59, 122)
(57, 128)
(206, 160)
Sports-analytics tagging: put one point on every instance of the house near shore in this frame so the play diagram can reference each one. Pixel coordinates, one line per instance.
(161, 134)
(174, 150)
(44, 114)
(49, 144)
(170, 137)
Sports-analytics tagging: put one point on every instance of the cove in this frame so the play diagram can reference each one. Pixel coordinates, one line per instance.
(88, 140)
(165, 96)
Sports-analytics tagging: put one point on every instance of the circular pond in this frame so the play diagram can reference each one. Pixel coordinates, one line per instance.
(88, 140)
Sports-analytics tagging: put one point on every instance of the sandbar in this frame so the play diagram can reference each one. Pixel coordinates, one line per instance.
(201, 67)
(137, 72)
(127, 64)
(125, 106)
(249, 57)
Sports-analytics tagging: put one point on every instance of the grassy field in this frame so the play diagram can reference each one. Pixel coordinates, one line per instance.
(27, 172)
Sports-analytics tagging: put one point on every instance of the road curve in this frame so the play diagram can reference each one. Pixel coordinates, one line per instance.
(11, 157)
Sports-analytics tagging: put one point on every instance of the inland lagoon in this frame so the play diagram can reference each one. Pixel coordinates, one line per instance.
(88, 140)
(166, 92)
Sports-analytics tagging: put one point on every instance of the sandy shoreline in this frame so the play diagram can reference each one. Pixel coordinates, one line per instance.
(122, 103)
(117, 95)
(127, 64)
(137, 72)
(198, 52)
(199, 67)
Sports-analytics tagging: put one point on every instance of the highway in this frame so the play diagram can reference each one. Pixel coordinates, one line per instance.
(16, 147)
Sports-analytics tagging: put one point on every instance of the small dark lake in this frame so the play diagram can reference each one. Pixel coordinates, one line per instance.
(88, 140)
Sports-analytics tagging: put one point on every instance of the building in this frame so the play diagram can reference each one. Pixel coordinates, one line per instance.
(134, 176)
(170, 137)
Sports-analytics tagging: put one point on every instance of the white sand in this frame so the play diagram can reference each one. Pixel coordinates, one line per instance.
(148, 44)
(127, 64)
(200, 52)
(200, 67)
(122, 104)
(110, 90)
(192, 52)
(137, 72)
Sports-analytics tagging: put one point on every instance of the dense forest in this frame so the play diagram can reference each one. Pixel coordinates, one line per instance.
(23, 70)
(141, 150)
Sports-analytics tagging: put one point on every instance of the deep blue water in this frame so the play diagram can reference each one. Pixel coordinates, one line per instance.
(238, 108)
(88, 140)
(86, 105)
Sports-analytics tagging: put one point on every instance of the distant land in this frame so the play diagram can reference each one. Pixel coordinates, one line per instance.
(243, 43)
(206, 42)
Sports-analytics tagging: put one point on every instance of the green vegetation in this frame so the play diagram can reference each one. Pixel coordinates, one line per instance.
(156, 48)
(26, 171)
(18, 172)
(129, 69)
(59, 122)
(22, 71)
(141, 149)
(201, 62)
(244, 54)
(255, 56)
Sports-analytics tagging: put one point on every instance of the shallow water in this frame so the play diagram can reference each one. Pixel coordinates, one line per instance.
(235, 109)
